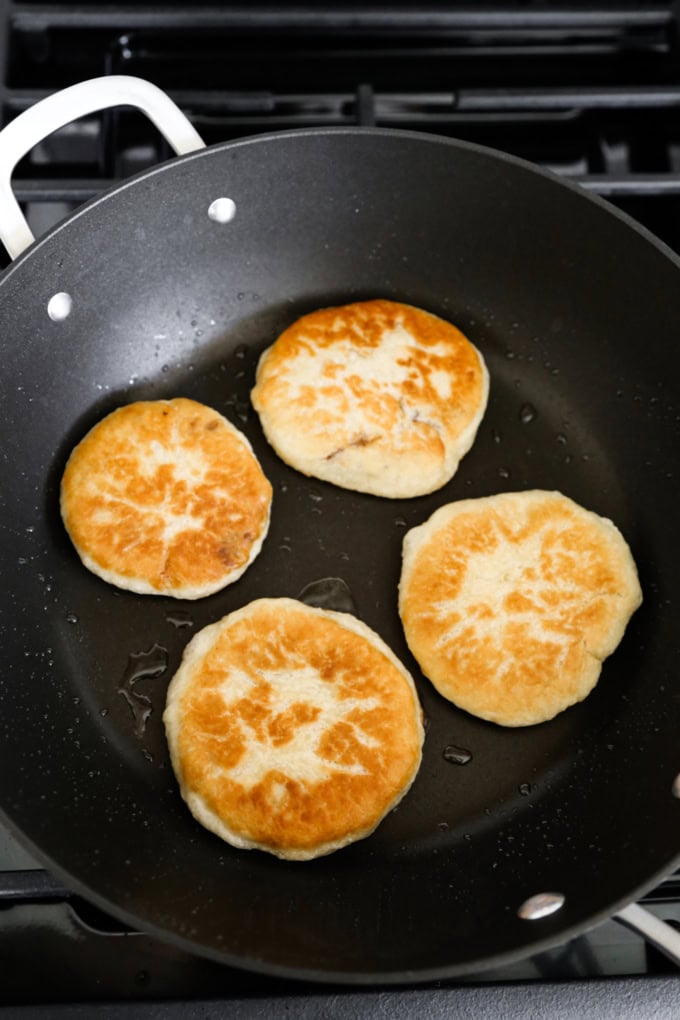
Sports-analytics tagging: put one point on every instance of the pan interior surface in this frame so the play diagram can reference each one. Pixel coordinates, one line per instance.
(575, 312)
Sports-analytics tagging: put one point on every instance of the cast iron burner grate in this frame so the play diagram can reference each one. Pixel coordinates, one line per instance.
(592, 93)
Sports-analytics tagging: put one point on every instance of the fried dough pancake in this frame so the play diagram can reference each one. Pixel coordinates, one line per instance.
(292, 729)
(166, 497)
(376, 396)
(510, 603)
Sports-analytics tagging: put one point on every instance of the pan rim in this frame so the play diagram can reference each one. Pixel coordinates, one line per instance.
(355, 131)
(414, 976)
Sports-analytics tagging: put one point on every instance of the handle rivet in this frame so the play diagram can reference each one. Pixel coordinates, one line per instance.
(676, 786)
(540, 905)
(222, 210)
(59, 306)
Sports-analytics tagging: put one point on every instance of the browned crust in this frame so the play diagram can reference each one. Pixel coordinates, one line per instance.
(511, 602)
(377, 396)
(165, 497)
(292, 729)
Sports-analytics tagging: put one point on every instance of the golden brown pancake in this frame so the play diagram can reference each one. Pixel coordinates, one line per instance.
(376, 396)
(166, 497)
(510, 603)
(292, 729)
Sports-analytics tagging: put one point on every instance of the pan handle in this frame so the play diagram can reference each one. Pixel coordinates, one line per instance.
(53, 112)
(654, 930)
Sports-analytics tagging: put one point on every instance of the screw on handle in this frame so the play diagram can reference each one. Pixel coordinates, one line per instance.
(53, 112)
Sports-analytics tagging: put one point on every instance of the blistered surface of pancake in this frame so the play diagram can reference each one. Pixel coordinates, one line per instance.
(166, 497)
(376, 396)
(292, 729)
(511, 602)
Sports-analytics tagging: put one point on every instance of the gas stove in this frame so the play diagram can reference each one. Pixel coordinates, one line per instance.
(592, 93)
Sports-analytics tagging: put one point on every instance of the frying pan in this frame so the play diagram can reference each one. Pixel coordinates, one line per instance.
(156, 289)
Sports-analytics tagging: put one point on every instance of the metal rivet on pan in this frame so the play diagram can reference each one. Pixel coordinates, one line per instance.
(222, 210)
(59, 306)
(676, 786)
(541, 905)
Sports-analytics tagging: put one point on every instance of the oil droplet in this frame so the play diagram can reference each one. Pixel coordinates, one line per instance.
(561, 438)
(316, 497)
(456, 755)
(443, 826)
(328, 593)
(503, 472)
(71, 618)
(527, 413)
(524, 789)
(179, 618)
(142, 665)
(496, 436)
(400, 522)
(240, 351)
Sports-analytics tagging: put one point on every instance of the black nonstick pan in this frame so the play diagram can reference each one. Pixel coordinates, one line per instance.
(162, 292)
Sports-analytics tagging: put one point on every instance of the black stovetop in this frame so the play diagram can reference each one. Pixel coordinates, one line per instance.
(592, 93)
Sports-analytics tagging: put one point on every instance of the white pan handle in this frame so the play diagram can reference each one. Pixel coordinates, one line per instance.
(660, 934)
(46, 116)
